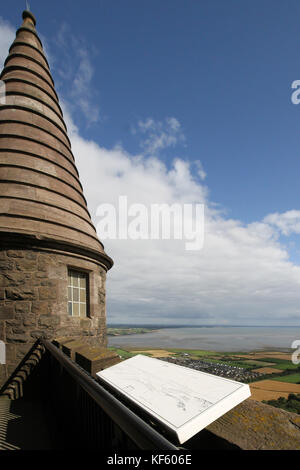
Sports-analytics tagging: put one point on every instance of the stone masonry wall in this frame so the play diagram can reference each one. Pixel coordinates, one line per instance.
(33, 302)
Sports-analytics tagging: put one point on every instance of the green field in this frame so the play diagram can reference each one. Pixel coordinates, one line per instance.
(286, 366)
(281, 364)
(258, 363)
(291, 378)
(193, 352)
(121, 352)
(275, 360)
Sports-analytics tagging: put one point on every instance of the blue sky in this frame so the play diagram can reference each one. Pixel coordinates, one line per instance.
(125, 71)
(223, 69)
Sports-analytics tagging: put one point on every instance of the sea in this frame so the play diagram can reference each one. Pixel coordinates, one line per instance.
(218, 338)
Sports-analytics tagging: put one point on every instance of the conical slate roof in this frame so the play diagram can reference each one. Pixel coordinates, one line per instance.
(40, 192)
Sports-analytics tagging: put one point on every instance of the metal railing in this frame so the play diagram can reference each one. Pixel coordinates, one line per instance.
(13, 387)
(86, 415)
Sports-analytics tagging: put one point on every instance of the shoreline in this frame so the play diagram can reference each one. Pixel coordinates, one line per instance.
(210, 351)
(267, 349)
(218, 339)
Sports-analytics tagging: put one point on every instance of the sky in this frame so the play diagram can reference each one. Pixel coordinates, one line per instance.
(185, 102)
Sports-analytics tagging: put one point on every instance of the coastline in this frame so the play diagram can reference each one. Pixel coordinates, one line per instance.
(220, 339)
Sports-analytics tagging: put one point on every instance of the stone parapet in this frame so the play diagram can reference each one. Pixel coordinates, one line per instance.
(70, 347)
(90, 358)
(256, 426)
(94, 360)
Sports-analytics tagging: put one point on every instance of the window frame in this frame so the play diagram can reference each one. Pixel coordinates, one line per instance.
(71, 272)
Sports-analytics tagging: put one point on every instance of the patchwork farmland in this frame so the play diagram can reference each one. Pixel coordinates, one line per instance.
(271, 375)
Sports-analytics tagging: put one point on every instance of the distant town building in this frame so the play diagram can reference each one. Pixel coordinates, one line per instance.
(52, 264)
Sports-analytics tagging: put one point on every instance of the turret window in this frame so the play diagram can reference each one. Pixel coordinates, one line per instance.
(77, 293)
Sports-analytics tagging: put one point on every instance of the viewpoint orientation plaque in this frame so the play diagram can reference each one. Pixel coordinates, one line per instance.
(183, 400)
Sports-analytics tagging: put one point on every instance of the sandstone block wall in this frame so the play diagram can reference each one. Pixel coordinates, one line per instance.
(34, 301)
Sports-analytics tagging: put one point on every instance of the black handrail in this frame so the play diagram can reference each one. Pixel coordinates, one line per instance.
(141, 433)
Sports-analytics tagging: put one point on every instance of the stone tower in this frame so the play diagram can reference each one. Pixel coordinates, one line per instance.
(52, 265)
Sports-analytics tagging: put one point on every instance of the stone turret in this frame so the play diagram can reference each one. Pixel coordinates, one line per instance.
(52, 264)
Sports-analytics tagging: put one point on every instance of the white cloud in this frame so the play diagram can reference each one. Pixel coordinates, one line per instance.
(7, 36)
(77, 70)
(81, 87)
(286, 223)
(243, 275)
(159, 135)
(201, 173)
